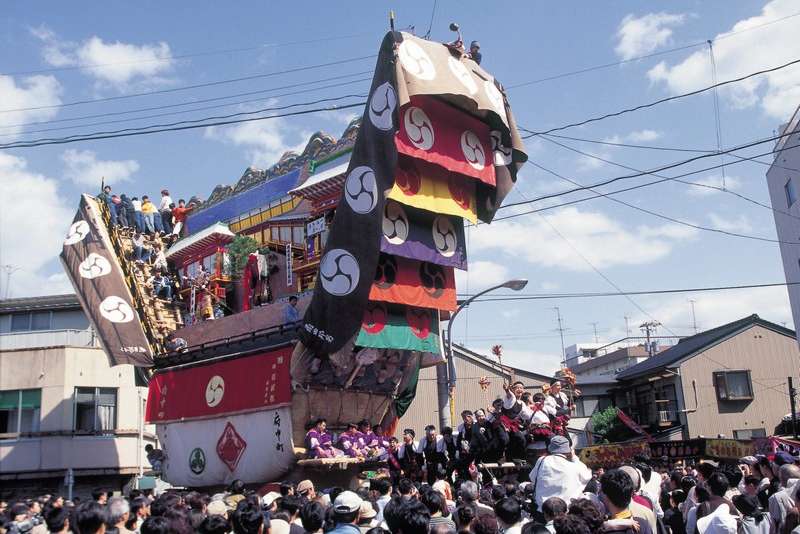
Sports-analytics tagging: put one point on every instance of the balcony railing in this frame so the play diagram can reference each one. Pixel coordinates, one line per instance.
(667, 417)
(48, 338)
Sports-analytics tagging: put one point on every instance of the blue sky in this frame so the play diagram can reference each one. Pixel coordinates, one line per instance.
(521, 42)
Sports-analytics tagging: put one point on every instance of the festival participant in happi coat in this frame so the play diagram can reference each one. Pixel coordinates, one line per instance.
(515, 415)
(483, 443)
(320, 442)
(393, 461)
(539, 430)
(374, 446)
(433, 447)
(557, 403)
(410, 460)
(349, 442)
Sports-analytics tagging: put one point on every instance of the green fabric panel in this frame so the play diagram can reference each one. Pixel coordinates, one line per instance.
(403, 400)
(31, 398)
(388, 328)
(9, 400)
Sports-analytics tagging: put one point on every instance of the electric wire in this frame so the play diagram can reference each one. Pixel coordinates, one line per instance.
(686, 182)
(182, 128)
(192, 102)
(647, 56)
(660, 101)
(196, 86)
(184, 56)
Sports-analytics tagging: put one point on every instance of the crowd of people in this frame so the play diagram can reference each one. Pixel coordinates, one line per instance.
(144, 216)
(559, 495)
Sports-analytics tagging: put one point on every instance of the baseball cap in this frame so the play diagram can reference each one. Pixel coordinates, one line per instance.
(269, 498)
(304, 486)
(366, 510)
(559, 445)
(347, 502)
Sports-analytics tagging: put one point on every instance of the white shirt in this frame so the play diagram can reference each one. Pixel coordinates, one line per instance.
(165, 202)
(555, 476)
(550, 402)
(510, 401)
(137, 205)
(782, 501)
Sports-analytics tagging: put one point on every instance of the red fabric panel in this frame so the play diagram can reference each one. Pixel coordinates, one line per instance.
(436, 132)
(222, 388)
(414, 283)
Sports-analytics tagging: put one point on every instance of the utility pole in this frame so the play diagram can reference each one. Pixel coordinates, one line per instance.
(561, 333)
(694, 317)
(594, 325)
(792, 396)
(9, 269)
(649, 328)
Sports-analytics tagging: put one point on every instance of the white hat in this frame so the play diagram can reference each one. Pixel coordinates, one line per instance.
(347, 502)
(720, 521)
(269, 498)
(217, 508)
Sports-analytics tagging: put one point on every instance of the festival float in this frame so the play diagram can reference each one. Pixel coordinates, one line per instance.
(382, 216)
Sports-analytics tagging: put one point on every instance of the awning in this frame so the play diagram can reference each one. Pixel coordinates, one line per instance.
(215, 234)
(323, 184)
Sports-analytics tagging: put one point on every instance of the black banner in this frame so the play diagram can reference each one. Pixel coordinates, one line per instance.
(690, 448)
(91, 265)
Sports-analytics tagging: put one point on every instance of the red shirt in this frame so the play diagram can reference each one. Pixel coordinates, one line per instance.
(180, 213)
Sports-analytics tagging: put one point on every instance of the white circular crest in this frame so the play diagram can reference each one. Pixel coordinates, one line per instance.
(416, 61)
(116, 310)
(473, 150)
(381, 106)
(419, 128)
(215, 390)
(339, 272)
(395, 223)
(77, 232)
(495, 97)
(444, 236)
(502, 153)
(462, 74)
(361, 190)
(94, 266)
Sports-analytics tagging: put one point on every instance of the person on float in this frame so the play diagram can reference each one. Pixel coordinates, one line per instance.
(557, 402)
(349, 442)
(515, 414)
(410, 460)
(539, 430)
(434, 449)
(319, 441)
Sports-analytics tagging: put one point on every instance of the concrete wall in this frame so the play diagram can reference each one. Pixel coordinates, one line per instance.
(57, 372)
(770, 356)
(787, 224)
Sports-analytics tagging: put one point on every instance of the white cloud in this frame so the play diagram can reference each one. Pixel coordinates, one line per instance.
(740, 224)
(641, 35)
(777, 93)
(83, 168)
(731, 182)
(118, 65)
(603, 240)
(28, 92)
(32, 201)
(264, 141)
(715, 309)
(481, 274)
(643, 136)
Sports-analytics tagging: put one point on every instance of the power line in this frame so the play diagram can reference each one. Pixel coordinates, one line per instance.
(631, 145)
(661, 101)
(666, 217)
(198, 85)
(626, 189)
(192, 102)
(430, 24)
(686, 182)
(658, 169)
(599, 294)
(181, 128)
(647, 56)
(158, 115)
(185, 56)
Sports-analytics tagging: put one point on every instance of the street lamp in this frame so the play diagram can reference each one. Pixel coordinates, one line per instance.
(516, 284)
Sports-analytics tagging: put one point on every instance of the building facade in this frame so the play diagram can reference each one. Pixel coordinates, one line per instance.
(730, 381)
(62, 406)
(783, 181)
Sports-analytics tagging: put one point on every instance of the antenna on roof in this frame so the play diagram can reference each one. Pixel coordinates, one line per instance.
(391, 19)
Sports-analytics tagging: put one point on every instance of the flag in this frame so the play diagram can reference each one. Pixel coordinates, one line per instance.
(429, 187)
(414, 283)
(399, 327)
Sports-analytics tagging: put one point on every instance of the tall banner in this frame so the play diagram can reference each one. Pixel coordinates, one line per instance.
(90, 263)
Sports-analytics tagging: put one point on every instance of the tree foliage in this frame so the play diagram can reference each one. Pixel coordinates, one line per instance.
(608, 427)
(238, 251)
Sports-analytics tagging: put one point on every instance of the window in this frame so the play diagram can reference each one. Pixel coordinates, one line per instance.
(749, 433)
(22, 322)
(791, 192)
(733, 385)
(297, 235)
(286, 234)
(95, 409)
(19, 410)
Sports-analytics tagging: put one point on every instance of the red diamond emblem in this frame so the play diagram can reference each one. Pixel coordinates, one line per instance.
(230, 447)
